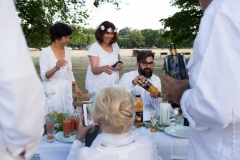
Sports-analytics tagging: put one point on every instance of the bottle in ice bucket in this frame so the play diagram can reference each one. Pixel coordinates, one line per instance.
(148, 86)
(175, 66)
(139, 111)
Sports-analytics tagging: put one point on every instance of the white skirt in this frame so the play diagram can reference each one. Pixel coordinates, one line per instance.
(59, 96)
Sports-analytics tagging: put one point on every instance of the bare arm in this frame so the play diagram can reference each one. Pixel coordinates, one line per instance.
(96, 70)
(50, 73)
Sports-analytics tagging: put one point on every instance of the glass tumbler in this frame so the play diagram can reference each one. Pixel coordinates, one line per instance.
(50, 129)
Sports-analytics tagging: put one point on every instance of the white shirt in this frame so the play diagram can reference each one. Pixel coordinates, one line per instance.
(126, 81)
(22, 98)
(94, 83)
(215, 84)
(47, 61)
(115, 147)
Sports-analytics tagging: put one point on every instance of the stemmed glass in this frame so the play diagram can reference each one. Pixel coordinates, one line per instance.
(153, 115)
(155, 103)
(172, 116)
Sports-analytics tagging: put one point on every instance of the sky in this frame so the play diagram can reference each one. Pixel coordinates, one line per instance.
(136, 14)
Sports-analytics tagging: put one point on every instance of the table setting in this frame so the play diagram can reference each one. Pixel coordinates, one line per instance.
(170, 137)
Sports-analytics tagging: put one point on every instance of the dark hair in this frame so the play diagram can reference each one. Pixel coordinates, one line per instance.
(141, 57)
(99, 32)
(59, 30)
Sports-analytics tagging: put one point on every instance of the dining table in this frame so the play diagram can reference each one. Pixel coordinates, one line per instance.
(167, 144)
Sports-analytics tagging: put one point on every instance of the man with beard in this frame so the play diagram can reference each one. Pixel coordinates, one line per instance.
(133, 80)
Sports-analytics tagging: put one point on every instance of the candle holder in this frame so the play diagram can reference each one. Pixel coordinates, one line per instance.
(164, 112)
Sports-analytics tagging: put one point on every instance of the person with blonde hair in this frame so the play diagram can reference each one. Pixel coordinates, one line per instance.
(114, 112)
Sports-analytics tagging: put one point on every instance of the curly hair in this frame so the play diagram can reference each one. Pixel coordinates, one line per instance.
(99, 32)
(59, 30)
(114, 108)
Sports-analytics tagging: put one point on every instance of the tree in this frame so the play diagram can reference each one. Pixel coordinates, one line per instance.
(151, 37)
(183, 25)
(125, 32)
(124, 42)
(36, 16)
(136, 38)
(88, 31)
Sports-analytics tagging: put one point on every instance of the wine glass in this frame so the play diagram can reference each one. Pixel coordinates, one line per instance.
(155, 102)
(153, 115)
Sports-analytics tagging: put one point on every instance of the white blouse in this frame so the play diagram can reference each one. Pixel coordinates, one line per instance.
(93, 83)
(115, 147)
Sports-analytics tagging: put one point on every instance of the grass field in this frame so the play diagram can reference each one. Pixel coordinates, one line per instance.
(80, 69)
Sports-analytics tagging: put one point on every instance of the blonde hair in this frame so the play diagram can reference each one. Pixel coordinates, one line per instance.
(114, 108)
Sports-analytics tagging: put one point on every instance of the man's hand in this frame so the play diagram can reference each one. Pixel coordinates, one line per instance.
(138, 80)
(173, 89)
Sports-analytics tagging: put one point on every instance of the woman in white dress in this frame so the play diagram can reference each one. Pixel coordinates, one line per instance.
(56, 70)
(103, 54)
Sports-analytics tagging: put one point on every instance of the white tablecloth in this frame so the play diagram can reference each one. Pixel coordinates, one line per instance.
(166, 145)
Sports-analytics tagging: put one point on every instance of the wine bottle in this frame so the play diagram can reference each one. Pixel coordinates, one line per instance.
(175, 66)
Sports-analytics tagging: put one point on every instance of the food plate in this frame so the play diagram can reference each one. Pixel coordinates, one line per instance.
(177, 131)
(59, 136)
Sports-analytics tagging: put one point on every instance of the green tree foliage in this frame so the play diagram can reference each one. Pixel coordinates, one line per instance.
(125, 32)
(75, 37)
(163, 42)
(89, 31)
(183, 25)
(136, 38)
(36, 16)
(124, 42)
(90, 39)
(151, 37)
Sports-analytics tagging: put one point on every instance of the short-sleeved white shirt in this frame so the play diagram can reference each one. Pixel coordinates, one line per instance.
(93, 83)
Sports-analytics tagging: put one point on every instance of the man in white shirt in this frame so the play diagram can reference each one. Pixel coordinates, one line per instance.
(22, 99)
(133, 80)
(210, 98)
